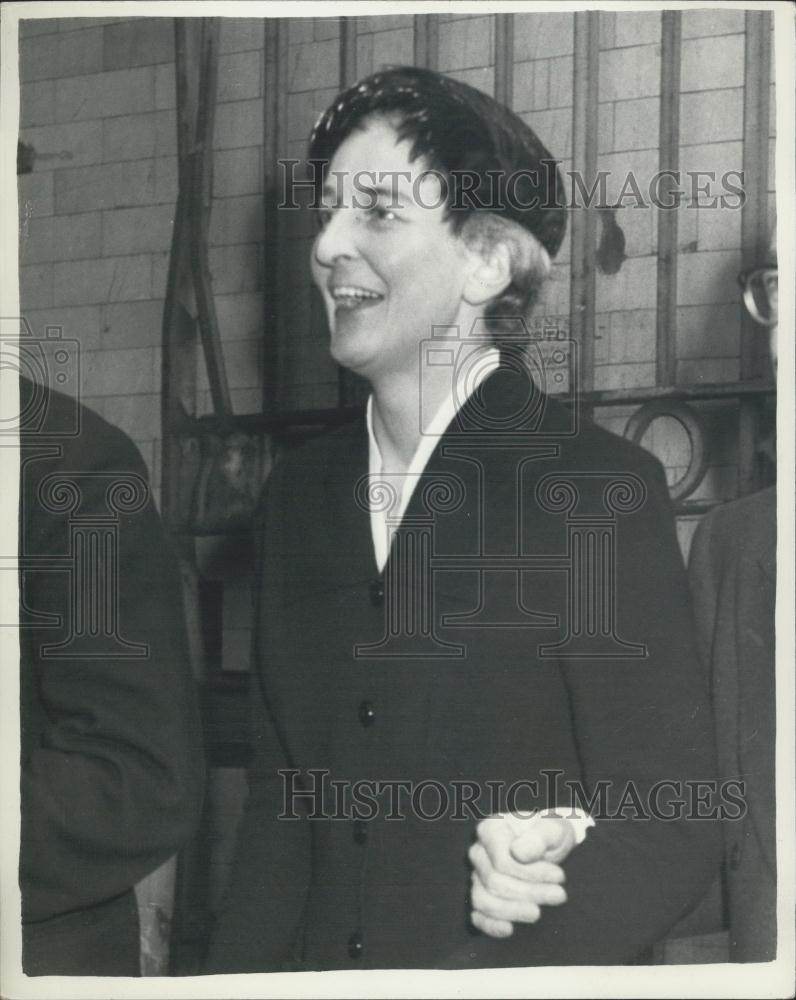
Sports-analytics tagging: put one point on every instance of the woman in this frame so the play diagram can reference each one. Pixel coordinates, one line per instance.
(418, 662)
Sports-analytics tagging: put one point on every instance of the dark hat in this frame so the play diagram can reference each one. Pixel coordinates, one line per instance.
(492, 160)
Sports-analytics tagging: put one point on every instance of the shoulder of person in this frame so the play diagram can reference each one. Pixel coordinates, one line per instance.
(328, 445)
(594, 448)
(85, 438)
(328, 453)
(742, 518)
(735, 536)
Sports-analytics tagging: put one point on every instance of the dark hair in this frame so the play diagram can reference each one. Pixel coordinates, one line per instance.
(489, 158)
(500, 182)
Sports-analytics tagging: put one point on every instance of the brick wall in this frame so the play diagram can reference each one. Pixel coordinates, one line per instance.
(629, 80)
(97, 222)
(98, 102)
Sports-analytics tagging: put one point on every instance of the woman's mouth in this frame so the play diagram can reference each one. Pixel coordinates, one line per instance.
(353, 296)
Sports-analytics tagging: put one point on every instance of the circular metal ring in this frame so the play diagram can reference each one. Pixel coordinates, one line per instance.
(691, 423)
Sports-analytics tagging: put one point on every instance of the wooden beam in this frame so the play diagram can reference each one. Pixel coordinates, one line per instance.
(348, 51)
(584, 218)
(275, 85)
(755, 223)
(201, 202)
(179, 461)
(754, 227)
(179, 331)
(427, 40)
(668, 159)
(504, 59)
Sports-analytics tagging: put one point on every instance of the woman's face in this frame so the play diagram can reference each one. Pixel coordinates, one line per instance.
(386, 261)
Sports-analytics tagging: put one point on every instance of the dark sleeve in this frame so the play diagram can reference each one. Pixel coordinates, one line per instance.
(637, 722)
(259, 923)
(112, 757)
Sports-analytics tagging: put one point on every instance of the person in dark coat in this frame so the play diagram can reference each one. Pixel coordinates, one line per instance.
(111, 748)
(470, 599)
(733, 577)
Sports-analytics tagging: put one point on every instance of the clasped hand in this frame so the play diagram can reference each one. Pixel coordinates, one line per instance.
(517, 869)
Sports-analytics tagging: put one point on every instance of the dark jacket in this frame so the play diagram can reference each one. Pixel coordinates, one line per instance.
(733, 578)
(112, 758)
(618, 702)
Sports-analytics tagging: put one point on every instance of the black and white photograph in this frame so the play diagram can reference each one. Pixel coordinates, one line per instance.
(393, 398)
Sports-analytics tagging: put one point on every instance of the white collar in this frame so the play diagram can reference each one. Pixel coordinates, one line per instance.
(479, 366)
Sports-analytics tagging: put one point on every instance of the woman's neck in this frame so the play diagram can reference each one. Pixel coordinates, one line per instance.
(401, 409)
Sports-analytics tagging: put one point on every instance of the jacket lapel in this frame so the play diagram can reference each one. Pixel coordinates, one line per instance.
(350, 544)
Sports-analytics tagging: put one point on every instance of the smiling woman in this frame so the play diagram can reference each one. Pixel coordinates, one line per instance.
(392, 270)
(373, 220)
(440, 209)
(417, 533)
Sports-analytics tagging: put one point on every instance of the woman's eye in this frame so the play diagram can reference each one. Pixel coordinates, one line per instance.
(382, 214)
(322, 217)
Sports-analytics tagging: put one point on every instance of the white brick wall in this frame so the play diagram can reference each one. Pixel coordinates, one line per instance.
(313, 65)
(538, 37)
(104, 95)
(55, 56)
(237, 171)
(97, 223)
(80, 142)
(132, 324)
(238, 124)
(395, 46)
(54, 238)
(137, 137)
(466, 44)
(240, 34)
(108, 279)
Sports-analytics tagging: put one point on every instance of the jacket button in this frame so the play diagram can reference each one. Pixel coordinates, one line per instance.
(735, 855)
(355, 946)
(367, 714)
(360, 831)
(377, 593)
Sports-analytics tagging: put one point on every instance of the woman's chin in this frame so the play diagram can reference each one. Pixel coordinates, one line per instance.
(351, 352)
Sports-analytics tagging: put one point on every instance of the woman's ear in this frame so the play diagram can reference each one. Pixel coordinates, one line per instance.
(490, 273)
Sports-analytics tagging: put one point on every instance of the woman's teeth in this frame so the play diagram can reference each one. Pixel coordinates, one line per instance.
(351, 295)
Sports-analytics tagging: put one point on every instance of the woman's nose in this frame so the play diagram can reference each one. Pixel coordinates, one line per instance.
(337, 238)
